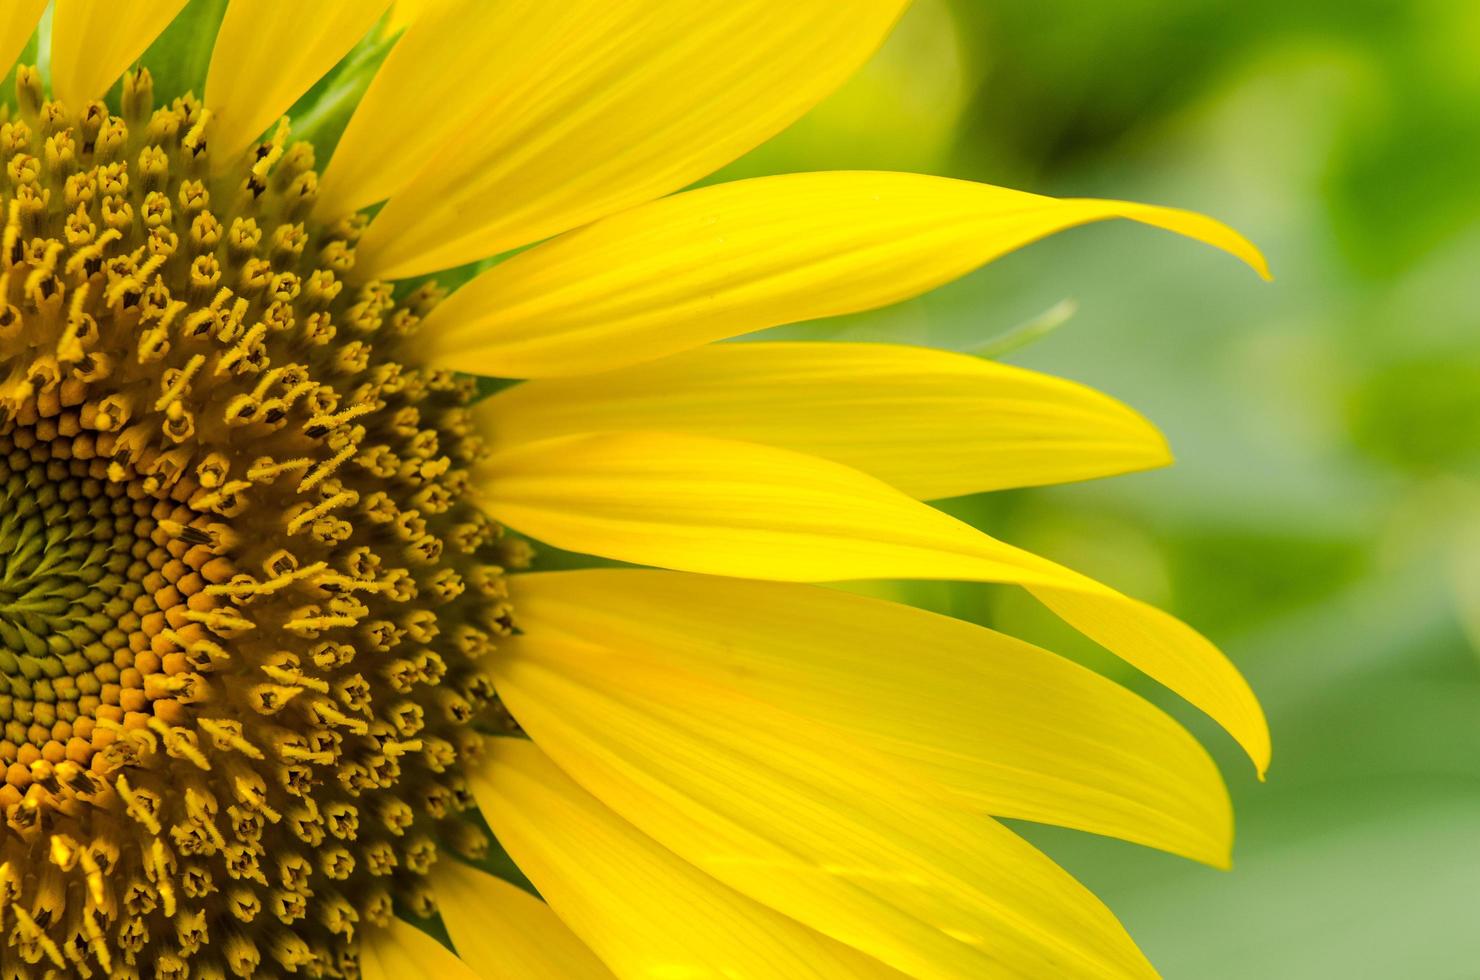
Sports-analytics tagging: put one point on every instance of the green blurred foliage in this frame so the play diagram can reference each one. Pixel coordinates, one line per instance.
(1323, 520)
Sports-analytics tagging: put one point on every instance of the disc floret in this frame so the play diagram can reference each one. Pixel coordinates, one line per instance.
(244, 594)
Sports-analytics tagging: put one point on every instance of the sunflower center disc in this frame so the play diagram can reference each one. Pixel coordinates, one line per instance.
(242, 591)
(79, 558)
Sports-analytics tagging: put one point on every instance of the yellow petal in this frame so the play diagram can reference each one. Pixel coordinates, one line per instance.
(451, 58)
(726, 260)
(404, 13)
(726, 507)
(1002, 726)
(931, 423)
(800, 819)
(267, 54)
(17, 22)
(404, 952)
(504, 932)
(648, 911)
(585, 107)
(644, 910)
(93, 43)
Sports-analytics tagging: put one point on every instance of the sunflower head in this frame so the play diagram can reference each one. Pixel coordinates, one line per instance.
(245, 592)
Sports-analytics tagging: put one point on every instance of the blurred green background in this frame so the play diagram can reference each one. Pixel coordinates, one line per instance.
(1322, 523)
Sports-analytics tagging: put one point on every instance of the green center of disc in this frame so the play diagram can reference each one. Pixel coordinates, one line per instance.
(66, 541)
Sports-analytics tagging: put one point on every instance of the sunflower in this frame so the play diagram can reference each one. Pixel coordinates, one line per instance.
(275, 683)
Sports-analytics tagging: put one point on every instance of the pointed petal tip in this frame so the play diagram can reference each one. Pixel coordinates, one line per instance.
(1255, 259)
(1209, 230)
(1250, 730)
(1235, 244)
(1217, 853)
(1257, 742)
(1158, 449)
(1256, 745)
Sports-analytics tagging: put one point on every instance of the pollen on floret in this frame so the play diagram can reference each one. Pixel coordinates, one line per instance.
(243, 595)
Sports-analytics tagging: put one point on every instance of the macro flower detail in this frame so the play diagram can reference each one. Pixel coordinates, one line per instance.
(246, 584)
(274, 674)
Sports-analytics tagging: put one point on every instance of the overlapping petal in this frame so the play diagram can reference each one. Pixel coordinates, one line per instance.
(577, 110)
(726, 260)
(931, 423)
(92, 43)
(727, 507)
(645, 910)
(504, 933)
(17, 22)
(1000, 725)
(403, 952)
(794, 816)
(267, 54)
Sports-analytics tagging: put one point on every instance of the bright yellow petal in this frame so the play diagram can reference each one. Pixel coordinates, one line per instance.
(17, 22)
(505, 933)
(451, 56)
(644, 910)
(93, 43)
(404, 952)
(1003, 726)
(726, 260)
(801, 819)
(404, 13)
(725, 507)
(649, 912)
(585, 107)
(267, 54)
(931, 423)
